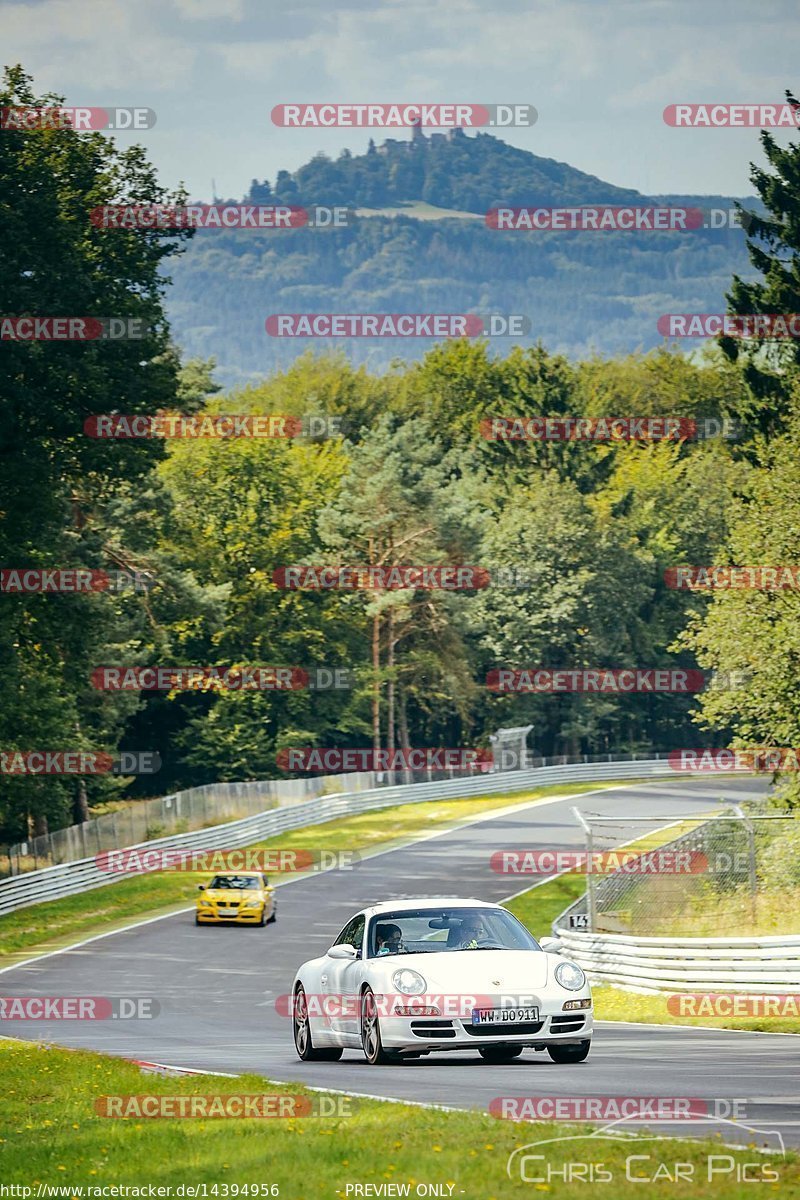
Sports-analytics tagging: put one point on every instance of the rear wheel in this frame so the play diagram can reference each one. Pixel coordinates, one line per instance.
(302, 1034)
(570, 1054)
(499, 1054)
(371, 1033)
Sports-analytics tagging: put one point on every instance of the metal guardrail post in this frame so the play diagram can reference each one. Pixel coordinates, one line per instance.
(589, 873)
(751, 854)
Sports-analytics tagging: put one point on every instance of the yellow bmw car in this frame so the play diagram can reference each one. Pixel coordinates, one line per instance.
(240, 898)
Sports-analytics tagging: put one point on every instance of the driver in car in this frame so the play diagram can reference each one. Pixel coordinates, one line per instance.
(390, 939)
(472, 932)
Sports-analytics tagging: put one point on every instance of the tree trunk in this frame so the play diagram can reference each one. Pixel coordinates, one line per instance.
(376, 683)
(390, 688)
(405, 742)
(80, 809)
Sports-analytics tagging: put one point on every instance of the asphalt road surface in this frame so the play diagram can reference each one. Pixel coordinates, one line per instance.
(217, 986)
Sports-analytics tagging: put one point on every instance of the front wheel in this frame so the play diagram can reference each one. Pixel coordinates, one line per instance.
(371, 1032)
(570, 1054)
(301, 1027)
(499, 1054)
(273, 916)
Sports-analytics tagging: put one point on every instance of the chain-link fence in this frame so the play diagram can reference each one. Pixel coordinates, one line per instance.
(182, 812)
(736, 873)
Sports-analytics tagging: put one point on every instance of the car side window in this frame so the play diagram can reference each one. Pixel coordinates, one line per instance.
(265, 880)
(342, 938)
(352, 934)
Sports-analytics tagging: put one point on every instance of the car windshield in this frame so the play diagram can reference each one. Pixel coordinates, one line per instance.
(436, 930)
(234, 882)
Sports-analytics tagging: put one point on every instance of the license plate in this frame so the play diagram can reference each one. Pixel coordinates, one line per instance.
(504, 1016)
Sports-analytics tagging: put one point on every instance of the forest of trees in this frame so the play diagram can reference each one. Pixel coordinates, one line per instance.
(453, 170)
(590, 529)
(579, 291)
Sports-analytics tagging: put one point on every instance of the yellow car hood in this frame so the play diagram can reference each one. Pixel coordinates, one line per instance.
(226, 895)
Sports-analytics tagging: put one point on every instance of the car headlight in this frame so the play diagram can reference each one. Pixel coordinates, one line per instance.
(251, 904)
(409, 982)
(570, 976)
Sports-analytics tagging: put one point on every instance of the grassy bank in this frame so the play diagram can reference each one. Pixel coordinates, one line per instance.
(52, 1135)
(615, 1004)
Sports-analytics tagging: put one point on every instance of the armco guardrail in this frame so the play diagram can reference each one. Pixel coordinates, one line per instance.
(66, 879)
(650, 964)
(213, 803)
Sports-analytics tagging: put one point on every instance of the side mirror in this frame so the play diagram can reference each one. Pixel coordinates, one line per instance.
(201, 887)
(343, 951)
(550, 945)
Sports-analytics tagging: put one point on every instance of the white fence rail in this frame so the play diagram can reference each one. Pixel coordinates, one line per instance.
(669, 964)
(67, 879)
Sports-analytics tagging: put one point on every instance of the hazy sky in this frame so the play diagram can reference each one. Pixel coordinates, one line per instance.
(600, 73)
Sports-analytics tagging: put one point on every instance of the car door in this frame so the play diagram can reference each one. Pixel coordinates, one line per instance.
(269, 896)
(341, 980)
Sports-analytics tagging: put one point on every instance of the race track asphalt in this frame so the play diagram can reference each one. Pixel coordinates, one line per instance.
(217, 987)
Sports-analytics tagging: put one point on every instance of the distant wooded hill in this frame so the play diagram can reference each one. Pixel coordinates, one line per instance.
(584, 292)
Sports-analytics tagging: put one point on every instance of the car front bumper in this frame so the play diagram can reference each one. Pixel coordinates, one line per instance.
(458, 1033)
(213, 916)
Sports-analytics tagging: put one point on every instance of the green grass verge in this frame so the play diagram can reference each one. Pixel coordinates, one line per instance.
(616, 1004)
(538, 908)
(54, 923)
(53, 1135)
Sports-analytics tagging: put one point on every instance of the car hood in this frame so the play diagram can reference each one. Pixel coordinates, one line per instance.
(477, 970)
(228, 894)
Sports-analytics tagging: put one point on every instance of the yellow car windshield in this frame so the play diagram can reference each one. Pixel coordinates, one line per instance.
(233, 882)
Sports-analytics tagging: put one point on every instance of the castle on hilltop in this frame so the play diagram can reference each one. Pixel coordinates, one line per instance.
(418, 139)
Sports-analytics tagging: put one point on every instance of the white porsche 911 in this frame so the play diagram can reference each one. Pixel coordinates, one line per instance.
(409, 977)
